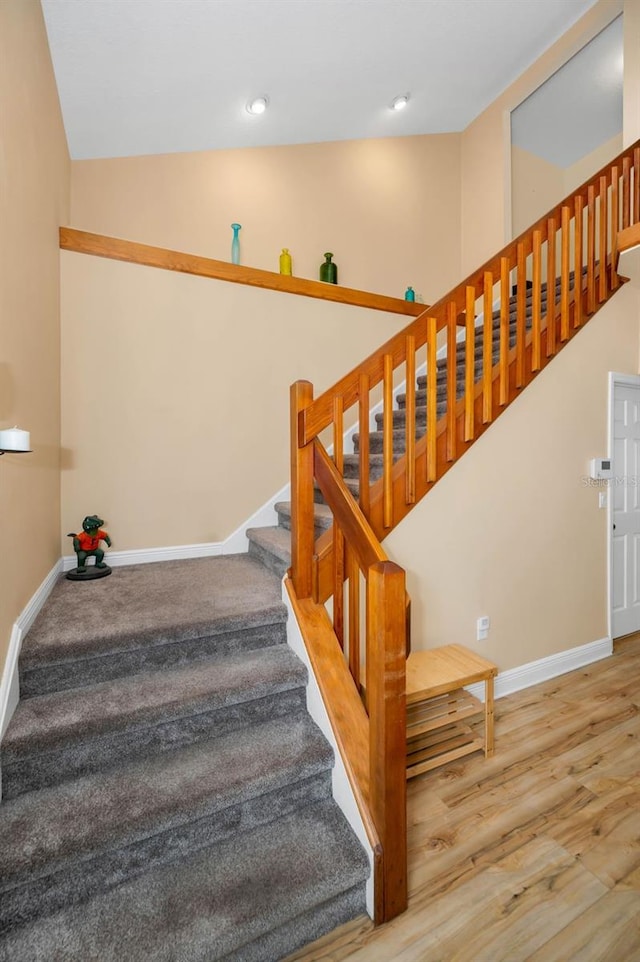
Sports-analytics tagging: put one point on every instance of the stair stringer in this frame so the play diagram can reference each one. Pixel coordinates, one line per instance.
(342, 791)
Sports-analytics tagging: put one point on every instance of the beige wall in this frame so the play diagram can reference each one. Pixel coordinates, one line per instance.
(512, 531)
(584, 168)
(388, 209)
(537, 186)
(485, 149)
(176, 395)
(34, 200)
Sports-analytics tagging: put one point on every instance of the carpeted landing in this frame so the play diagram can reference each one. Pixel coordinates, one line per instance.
(166, 796)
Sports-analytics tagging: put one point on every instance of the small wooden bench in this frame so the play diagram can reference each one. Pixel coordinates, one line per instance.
(437, 703)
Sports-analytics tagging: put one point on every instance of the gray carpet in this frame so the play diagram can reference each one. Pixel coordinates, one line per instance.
(167, 795)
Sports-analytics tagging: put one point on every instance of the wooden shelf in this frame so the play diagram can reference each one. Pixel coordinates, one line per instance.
(115, 248)
(437, 703)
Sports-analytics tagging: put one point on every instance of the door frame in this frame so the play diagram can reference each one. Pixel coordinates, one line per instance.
(615, 379)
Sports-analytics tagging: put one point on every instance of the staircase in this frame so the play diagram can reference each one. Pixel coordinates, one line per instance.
(272, 545)
(167, 796)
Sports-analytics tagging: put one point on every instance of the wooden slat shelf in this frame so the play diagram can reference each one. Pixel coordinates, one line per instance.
(436, 712)
(441, 746)
(437, 702)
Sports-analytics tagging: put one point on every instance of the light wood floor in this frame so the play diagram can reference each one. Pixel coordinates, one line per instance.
(533, 854)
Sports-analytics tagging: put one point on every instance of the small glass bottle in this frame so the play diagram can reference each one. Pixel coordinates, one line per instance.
(409, 294)
(285, 262)
(235, 244)
(329, 270)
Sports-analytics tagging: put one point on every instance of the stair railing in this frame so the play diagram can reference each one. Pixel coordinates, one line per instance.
(501, 326)
(359, 656)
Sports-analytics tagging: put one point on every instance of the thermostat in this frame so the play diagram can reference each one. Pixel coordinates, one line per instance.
(600, 468)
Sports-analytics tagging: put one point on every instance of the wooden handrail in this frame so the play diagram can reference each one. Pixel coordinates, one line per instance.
(514, 322)
(84, 242)
(347, 515)
(628, 238)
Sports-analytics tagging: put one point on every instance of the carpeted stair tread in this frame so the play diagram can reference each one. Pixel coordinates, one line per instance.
(63, 844)
(40, 723)
(272, 547)
(376, 439)
(153, 605)
(322, 515)
(399, 415)
(252, 898)
(67, 735)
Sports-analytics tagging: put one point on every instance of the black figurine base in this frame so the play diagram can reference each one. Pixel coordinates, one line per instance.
(90, 573)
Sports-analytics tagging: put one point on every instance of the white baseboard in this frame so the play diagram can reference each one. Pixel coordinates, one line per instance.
(544, 669)
(9, 683)
(139, 556)
(264, 517)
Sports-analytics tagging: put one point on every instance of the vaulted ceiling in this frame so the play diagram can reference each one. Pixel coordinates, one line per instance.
(157, 76)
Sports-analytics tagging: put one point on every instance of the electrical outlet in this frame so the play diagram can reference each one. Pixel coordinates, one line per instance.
(482, 628)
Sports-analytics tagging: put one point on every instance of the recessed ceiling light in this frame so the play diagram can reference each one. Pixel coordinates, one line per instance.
(257, 106)
(399, 103)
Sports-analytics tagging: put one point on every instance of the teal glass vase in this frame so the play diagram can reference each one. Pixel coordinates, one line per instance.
(328, 270)
(235, 244)
(409, 294)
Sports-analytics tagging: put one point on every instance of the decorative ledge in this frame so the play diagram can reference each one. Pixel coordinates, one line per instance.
(84, 242)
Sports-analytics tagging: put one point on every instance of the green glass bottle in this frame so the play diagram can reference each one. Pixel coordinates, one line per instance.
(328, 270)
(285, 262)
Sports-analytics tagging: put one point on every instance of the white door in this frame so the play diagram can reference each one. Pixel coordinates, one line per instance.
(625, 514)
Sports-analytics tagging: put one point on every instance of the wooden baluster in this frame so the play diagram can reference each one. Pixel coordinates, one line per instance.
(565, 251)
(410, 420)
(387, 443)
(302, 520)
(521, 314)
(338, 432)
(432, 398)
(602, 242)
(626, 192)
(363, 446)
(636, 185)
(551, 287)
(536, 302)
(504, 330)
(615, 217)
(338, 537)
(487, 350)
(353, 572)
(452, 362)
(591, 249)
(386, 699)
(338, 583)
(469, 364)
(577, 262)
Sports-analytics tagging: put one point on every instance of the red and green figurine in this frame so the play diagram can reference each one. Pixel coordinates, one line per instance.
(86, 544)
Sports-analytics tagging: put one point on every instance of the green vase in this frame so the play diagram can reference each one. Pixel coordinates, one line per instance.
(328, 270)
(409, 294)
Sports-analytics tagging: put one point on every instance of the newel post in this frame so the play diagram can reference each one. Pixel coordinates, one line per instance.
(386, 698)
(302, 525)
